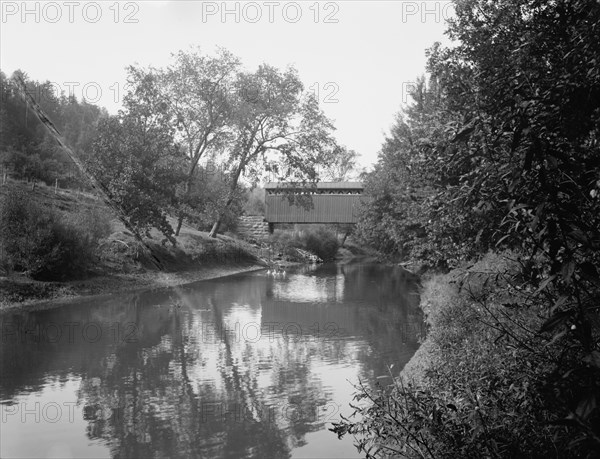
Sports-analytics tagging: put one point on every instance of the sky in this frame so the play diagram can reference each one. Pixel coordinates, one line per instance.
(359, 57)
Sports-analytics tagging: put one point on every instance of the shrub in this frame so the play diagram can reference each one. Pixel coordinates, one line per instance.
(322, 242)
(286, 242)
(94, 224)
(39, 242)
(488, 383)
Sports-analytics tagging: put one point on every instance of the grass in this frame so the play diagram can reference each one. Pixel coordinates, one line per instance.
(117, 251)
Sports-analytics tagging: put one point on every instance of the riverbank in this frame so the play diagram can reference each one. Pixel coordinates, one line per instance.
(114, 261)
(488, 380)
(26, 294)
(117, 262)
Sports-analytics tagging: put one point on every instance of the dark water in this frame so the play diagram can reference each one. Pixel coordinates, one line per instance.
(244, 366)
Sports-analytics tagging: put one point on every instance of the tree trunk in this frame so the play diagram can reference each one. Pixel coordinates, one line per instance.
(179, 223)
(344, 239)
(215, 229)
(188, 187)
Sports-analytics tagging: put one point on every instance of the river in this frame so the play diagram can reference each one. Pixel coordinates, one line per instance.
(250, 365)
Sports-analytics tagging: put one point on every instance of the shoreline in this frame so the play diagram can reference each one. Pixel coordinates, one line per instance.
(62, 293)
(20, 293)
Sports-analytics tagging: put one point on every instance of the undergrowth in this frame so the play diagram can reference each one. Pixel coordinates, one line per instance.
(45, 243)
(494, 382)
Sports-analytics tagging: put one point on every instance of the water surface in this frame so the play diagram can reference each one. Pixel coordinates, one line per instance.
(249, 365)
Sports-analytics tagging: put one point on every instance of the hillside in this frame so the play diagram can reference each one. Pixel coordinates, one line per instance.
(121, 263)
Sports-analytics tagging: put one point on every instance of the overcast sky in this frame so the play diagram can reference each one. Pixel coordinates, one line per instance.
(361, 56)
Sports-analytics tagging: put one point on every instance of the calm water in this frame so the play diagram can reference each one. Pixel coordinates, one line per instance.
(244, 366)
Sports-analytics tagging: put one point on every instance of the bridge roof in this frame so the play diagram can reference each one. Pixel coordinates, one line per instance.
(320, 185)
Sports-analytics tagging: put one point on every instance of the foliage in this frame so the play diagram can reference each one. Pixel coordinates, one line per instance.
(276, 128)
(135, 158)
(320, 241)
(254, 122)
(208, 194)
(93, 222)
(341, 167)
(488, 388)
(501, 151)
(40, 243)
(254, 201)
(193, 93)
(26, 149)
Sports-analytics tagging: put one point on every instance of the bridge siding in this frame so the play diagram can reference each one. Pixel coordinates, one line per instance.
(328, 208)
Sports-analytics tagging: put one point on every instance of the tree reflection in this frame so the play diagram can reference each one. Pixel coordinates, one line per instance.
(188, 383)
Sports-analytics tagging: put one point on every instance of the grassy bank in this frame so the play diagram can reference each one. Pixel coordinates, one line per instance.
(488, 381)
(109, 258)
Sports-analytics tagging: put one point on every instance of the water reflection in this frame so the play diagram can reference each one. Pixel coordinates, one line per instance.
(244, 366)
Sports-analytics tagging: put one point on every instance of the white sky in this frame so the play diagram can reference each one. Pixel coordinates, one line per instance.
(362, 64)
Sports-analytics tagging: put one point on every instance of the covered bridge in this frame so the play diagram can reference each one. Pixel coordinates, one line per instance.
(332, 202)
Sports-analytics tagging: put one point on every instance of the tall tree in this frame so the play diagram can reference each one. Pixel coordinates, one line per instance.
(195, 94)
(514, 159)
(277, 128)
(136, 159)
(342, 165)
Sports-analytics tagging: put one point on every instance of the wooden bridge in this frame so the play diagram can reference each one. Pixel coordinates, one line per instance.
(332, 202)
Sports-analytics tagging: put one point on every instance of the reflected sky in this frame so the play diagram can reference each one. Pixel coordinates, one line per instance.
(243, 366)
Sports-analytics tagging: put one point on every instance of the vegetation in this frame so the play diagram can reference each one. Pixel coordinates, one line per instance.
(318, 240)
(27, 151)
(499, 151)
(42, 243)
(135, 158)
(146, 159)
(109, 259)
(256, 123)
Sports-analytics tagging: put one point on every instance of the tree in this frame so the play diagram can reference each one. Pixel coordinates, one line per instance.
(27, 147)
(207, 198)
(397, 218)
(137, 161)
(194, 93)
(343, 165)
(511, 152)
(276, 128)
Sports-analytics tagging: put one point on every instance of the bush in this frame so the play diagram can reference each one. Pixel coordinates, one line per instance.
(487, 383)
(322, 242)
(93, 223)
(40, 243)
